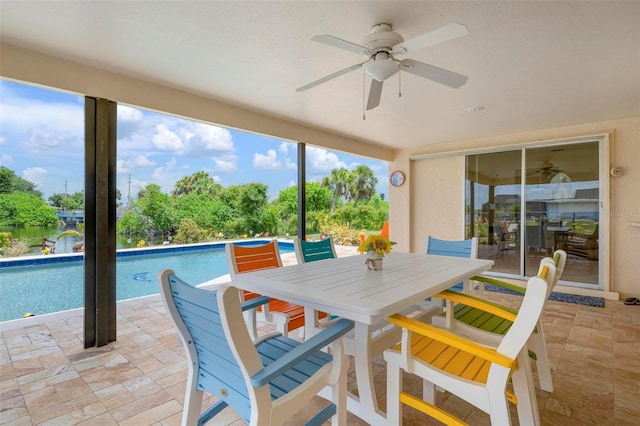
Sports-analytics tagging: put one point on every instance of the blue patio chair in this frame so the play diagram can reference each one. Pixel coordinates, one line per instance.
(264, 381)
(309, 251)
(456, 248)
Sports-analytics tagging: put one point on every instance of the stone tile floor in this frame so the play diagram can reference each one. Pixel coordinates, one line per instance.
(46, 377)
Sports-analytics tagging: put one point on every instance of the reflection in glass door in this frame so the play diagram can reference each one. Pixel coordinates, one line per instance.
(559, 191)
(493, 207)
(562, 194)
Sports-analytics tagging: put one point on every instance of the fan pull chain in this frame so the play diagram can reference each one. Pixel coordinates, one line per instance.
(364, 96)
(400, 82)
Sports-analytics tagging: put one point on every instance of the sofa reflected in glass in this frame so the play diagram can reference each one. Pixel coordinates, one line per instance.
(579, 243)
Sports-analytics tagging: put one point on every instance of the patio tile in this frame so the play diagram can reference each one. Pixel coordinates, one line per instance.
(47, 377)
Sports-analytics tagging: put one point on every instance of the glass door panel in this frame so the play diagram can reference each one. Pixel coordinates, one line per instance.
(493, 207)
(562, 194)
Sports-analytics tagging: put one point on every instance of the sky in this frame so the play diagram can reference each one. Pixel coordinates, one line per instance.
(42, 141)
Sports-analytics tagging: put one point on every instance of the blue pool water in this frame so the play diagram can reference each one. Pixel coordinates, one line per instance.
(53, 287)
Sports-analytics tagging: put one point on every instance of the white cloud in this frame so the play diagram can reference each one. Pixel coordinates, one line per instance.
(322, 161)
(126, 165)
(130, 122)
(158, 173)
(169, 165)
(142, 161)
(40, 127)
(2, 140)
(205, 138)
(6, 160)
(35, 175)
(128, 114)
(167, 140)
(223, 166)
(266, 162)
(284, 147)
(271, 161)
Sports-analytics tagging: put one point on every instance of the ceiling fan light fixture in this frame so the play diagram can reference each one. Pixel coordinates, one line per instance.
(381, 69)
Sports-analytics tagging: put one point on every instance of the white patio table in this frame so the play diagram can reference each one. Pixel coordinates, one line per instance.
(345, 287)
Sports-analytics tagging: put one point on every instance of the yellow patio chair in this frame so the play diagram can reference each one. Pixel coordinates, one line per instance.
(476, 373)
(478, 323)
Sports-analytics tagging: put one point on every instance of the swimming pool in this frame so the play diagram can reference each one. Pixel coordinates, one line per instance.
(52, 286)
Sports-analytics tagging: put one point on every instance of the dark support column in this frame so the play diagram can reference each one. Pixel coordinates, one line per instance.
(100, 222)
(491, 216)
(302, 201)
(472, 210)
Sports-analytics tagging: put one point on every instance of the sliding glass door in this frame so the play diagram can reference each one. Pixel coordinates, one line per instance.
(523, 204)
(562, 194)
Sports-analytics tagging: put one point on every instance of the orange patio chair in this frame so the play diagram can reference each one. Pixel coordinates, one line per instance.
(240, 258)
(384, 232)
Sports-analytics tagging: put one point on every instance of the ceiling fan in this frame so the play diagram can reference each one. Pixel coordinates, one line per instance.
(545, 170)
(382, 46)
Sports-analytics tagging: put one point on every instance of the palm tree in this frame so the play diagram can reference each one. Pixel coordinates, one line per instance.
(338, 181)
(363, 185)
(79, 246)
(199, 183)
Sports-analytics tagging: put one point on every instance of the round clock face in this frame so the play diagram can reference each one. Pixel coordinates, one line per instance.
(397, 178)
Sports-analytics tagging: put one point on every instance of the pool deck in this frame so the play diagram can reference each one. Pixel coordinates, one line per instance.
(46, 377)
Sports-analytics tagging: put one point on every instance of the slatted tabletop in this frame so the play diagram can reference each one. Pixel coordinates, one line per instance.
(345, 286)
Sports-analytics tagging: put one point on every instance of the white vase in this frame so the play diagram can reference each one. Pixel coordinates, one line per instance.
(374, 260)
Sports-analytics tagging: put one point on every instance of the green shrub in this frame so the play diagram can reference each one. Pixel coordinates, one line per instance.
(5, 239)
(341, 233)
(18, 247)
(188, 232)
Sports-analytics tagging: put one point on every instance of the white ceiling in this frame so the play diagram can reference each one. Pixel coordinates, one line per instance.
(532, 65)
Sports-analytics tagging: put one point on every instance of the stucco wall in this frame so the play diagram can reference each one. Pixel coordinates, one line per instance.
(437, 193)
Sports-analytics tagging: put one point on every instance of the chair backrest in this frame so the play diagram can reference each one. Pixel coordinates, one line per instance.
(241, 258)
(502, 231)
(309, 251)
(385, 229)
(529, 313)
(458, 248)
(210, 330)
(560, 261)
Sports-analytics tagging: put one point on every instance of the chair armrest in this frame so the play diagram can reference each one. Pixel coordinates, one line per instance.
(302, 351)
(487, 280)
(254, 303)
(451, 339)
(474, 302)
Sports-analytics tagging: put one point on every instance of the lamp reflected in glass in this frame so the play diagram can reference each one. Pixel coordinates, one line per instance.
(562, 187)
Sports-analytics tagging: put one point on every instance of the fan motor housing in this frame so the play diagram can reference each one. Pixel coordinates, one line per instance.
(381, 38)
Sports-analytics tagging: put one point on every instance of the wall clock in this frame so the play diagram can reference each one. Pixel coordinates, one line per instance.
(397, 178)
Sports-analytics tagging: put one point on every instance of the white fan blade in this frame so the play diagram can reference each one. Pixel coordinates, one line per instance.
(375, 92)
(439, 75)
(330, 40)
(437, 36)
(330, 76)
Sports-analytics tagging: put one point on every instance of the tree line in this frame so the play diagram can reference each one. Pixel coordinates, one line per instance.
(198, 208)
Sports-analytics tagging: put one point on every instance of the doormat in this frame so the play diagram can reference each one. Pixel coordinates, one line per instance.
(598, 302)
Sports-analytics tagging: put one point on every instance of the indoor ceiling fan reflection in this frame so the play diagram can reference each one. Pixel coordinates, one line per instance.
(382, 46)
